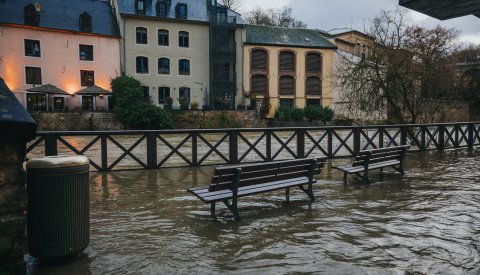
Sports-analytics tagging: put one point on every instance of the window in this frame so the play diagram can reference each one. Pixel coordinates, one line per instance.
(85, 22)
(287, 85)
(31, 15)
(146, 93)
(164, 65)
(33, 75)
(36, 102)
(140, 6)
(86, 52)
(259, 60)
(314, 102)
(58, 103)
(163, 37)
(181, 11)
(221, 15)
(162, 9)
(87, 103)
(259, 84)
(184, 96)
(142, 65)
(184, 67)
(87, 78)
(314, 86)
(141, 35)
(287, 61)
(314, 62)
(163, 93)
(32, 48)
(183, 39)
(287, 102)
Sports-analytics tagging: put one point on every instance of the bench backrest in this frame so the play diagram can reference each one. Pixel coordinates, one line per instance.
(380, 155)
(259, 173)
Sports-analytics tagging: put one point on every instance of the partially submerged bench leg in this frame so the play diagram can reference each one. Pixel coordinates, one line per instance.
(212, 210)
(345, 177)
(233, 208)
(307, 191)
(365, 177)
(287, 194)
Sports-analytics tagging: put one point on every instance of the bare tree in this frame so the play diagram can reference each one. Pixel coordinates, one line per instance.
(281, 17)
(234, 5)
(404, 71)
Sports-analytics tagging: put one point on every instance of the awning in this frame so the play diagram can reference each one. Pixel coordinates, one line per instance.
(444, 9)
(48, 89)
(93, 90)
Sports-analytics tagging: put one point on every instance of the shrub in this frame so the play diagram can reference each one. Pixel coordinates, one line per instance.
(327, 114)
(133, 111)
(221, 120)
(297, 114)
(283, 113)
(194, 105)
(313, 112)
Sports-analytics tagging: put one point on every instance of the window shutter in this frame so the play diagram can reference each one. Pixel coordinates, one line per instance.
(259, 84)
(287, 61)
(314, 62)
(259, 60)
(313, 86)
(287, 85)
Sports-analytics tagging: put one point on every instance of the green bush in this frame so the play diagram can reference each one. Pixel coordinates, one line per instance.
(221, 120)
(297, 114)
(313, 112)
(284, 113)
(327, 114)
(133, 111)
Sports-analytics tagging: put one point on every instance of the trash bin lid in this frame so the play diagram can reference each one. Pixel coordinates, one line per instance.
(59, 161)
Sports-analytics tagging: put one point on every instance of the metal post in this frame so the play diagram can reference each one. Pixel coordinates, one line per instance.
(457, 141)
(50, 145)
(152, 150)
(103, 148)
(194, 149)
(403, 135)
(356, 140)
(441, 137)
(423, 140)
(381, 132)
(233, 146)
(330, 142)
(268, 141)
(470, 135)
(300, 143)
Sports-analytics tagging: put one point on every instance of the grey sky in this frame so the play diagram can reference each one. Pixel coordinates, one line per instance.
(327, 15)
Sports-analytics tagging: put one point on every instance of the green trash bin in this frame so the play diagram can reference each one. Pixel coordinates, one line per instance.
(58, 206)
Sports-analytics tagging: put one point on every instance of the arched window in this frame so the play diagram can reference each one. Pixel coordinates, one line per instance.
(141, 35)
(287, 61)
(259, 84)
(184, 67)
(30, 15)
(163, 37)
(164, 65)
(85, 22)
(287, 85)
(259, 60)
(314, 62)
(314, 86)
(142, 65)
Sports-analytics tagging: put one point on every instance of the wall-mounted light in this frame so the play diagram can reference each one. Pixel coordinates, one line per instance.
(100, 95)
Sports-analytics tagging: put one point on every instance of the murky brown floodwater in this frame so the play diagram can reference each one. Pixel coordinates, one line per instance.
(144, 222)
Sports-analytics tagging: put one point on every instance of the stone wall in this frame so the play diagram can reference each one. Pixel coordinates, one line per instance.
(451, 111)
(76, 121)
(12, 208)
(194, 119)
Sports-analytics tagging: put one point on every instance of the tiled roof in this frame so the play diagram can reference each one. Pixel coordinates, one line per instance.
(197, 9)
(63, 14)
(266, 35)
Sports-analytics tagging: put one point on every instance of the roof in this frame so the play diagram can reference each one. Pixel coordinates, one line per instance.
(443, 9)
(276, 36)
(63, 15)
(48, 89)
(93, 90)
(196, 9)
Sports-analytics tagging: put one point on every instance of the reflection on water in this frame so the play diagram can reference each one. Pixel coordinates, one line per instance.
(425, 222)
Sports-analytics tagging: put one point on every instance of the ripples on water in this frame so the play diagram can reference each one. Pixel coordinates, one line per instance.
(144, 222)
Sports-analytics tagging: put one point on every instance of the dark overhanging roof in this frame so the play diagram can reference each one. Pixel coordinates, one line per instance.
(48, 89)
(93, 90)
(444, 9)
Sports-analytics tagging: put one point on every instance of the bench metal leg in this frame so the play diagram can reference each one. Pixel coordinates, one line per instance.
(212, 210)
(345, 178)
(287, 194)
(233, 208)
(309, 192)
(365, 177)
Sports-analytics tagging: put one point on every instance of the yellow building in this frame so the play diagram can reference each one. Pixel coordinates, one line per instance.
(289, 66)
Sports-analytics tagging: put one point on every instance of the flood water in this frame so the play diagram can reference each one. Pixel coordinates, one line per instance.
(426, 222)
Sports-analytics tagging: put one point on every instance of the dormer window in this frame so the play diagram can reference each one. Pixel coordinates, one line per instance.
(140, 6)
(31, 15)
(162, 8)
(85, 22)
(181, 11)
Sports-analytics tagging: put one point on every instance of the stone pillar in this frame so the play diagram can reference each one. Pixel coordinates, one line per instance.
(13, 207)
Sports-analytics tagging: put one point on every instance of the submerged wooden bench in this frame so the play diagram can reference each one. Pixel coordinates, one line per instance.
(375, 159)
(231, 182)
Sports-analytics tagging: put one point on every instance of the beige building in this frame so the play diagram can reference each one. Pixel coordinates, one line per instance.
(167, 46)
(71, 49)
(290, 67)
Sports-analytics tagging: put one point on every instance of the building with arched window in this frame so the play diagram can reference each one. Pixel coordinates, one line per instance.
(288, 66)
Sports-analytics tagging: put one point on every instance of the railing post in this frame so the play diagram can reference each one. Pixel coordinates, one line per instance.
(441, 137)
(381, 132)
(51, 145)
(470, 135)
(194, 149)
(423, 141)
(268, 141)
(330, 142)
(104, 151)
(457, 141)
(233, 146)
(403, 135)
(356, 140)
(300, 143)
(152, 150)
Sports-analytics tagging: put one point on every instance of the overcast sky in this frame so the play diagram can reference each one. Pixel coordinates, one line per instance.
(327, 15)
